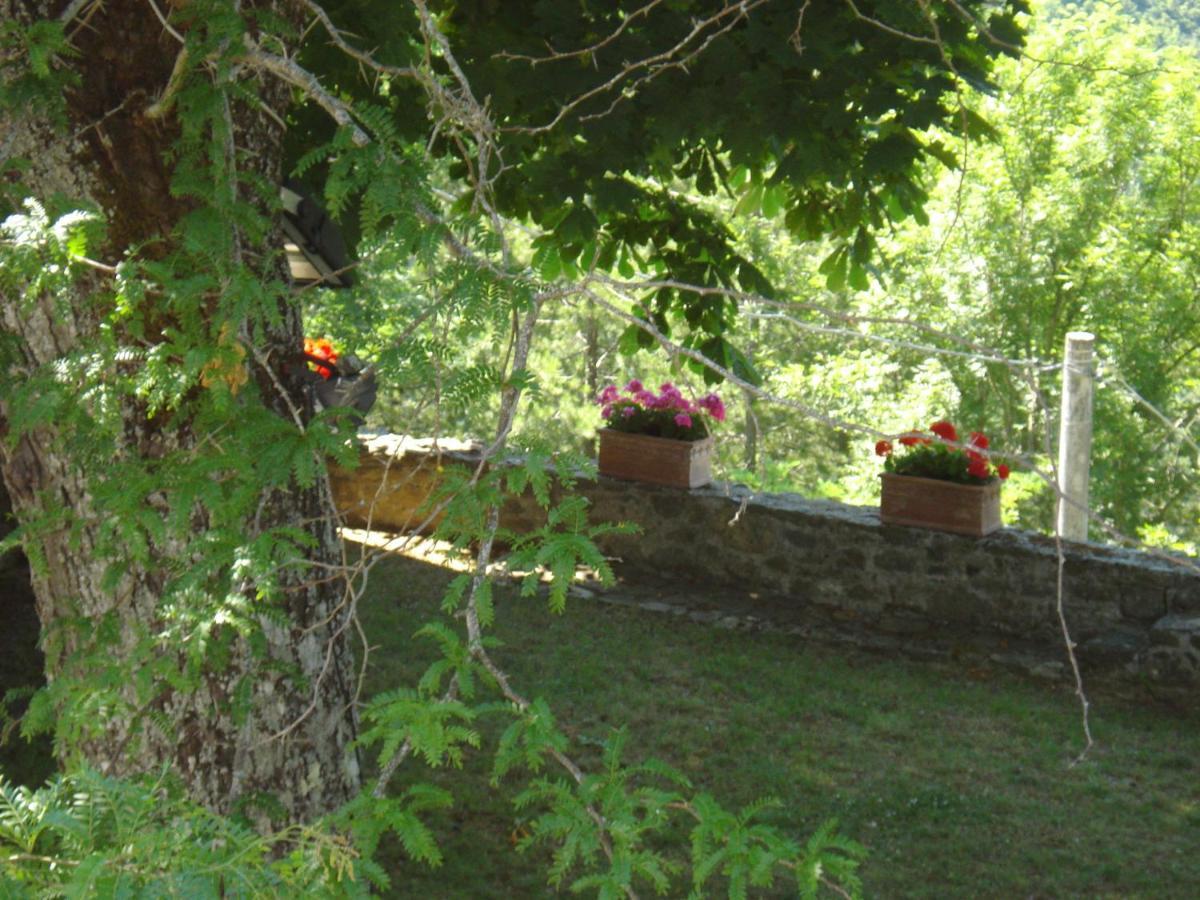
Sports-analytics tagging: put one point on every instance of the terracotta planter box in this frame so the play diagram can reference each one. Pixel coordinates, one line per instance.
(639, 457)
(941, 505)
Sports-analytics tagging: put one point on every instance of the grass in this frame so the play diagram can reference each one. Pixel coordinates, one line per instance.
(959, 785)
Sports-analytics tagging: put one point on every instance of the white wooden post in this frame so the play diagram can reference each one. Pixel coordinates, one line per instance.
(1075, 436)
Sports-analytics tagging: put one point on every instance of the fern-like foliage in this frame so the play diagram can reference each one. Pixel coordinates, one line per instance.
(565, 543)
(368, 818)
(753, 854)
(456, 662)
(528, 740)
(621, 806)
(437, 730)
(85, 835)
(606, 831)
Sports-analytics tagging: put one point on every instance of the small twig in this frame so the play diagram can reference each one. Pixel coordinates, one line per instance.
(300, 77)
(590, 50)
(74, 8)
(165, 24)
(654, 65)
(339, 39)
(163, 104)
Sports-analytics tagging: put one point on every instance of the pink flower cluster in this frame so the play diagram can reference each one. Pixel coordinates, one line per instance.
(635, 398)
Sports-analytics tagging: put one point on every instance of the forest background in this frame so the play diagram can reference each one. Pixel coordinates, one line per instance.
(1079, 212)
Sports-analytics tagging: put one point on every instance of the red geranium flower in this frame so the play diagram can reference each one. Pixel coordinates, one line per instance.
(944, 430)
(944, 457)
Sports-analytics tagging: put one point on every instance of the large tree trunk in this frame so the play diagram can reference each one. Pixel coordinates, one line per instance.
(292, 740)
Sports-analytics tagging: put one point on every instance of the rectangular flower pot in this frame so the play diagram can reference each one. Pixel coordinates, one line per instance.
(941, 505)
(640, 457)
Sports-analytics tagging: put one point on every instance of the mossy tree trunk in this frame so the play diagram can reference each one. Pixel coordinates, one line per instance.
(273, 716)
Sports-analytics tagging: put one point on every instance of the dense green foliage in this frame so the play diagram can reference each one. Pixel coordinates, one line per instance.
(84, 835)
(1081, 216)
(741, 175)
(179, 394)
(1078, 214)
(1176, 21)
(596, 122)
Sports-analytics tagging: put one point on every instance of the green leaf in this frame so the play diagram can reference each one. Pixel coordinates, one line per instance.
(773, 199)
(858, 277)
(750, 202)
(483, 603)
(834, 268)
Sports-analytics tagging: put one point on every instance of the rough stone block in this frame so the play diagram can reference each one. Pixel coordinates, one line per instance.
(1118, 647)
(904, 623)
(1142, 602)
(1170, 665)
(1183, 594)
(898, 559)
(1183, 626)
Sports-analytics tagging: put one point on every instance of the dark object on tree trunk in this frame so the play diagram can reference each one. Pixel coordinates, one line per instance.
(351, 383)
(317, 252)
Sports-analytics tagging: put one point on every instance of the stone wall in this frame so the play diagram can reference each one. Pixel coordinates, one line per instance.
(1135, 609)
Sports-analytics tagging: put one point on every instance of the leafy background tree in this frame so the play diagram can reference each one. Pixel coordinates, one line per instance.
(1074, 215)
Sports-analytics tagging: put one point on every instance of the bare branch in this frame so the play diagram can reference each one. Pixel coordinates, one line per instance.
(591, 49)
(300, 77)
(163, 104)
(655, 65)
(167, 26)
(891, 29)
(339, 39)
(74, 8)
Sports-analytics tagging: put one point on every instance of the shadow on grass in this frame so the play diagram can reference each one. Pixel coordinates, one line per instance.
(959, 782)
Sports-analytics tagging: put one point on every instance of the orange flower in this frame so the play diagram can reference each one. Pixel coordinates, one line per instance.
(322, 349)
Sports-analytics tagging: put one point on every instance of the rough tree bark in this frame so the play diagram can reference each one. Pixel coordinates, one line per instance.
(117, 157)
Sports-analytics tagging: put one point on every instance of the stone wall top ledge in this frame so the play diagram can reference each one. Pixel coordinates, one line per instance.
(793, 503)
(381, 449)
(1012, 540)
(818, 557)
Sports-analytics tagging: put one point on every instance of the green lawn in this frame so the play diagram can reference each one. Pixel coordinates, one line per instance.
(959, 784)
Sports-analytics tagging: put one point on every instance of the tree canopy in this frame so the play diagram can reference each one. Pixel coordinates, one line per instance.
(822, 115)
